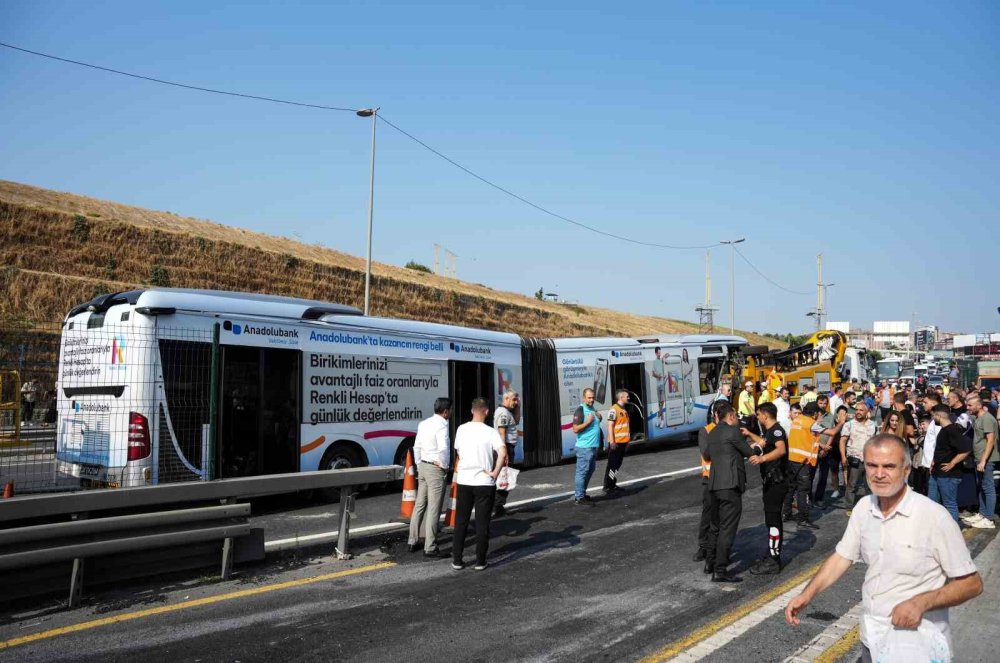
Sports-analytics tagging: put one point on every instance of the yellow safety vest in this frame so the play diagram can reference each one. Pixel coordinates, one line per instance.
(803, 446)
(620, 427)
(706, 465)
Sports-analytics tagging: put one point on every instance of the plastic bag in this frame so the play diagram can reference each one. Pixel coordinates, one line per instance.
(925, 644)
(507, 479)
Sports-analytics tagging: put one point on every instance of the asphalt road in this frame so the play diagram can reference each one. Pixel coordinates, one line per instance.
(610, 582)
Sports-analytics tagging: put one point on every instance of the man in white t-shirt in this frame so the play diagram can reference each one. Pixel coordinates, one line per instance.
(918, 563)
(481, 455)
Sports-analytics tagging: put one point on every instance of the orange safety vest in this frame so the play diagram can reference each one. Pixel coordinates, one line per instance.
(621, 434)
(706, 465)
(803, 446)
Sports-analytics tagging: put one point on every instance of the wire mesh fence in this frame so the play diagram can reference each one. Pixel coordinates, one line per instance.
(102, 404)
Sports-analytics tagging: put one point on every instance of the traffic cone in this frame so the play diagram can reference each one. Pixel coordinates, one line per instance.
(409, 487)
(8, 490)
(449, 515)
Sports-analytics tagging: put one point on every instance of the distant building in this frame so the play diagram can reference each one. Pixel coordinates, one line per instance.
(925, 337)
(891, 335)
(976, 345)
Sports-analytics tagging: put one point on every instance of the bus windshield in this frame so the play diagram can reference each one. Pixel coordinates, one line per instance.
(888, 369)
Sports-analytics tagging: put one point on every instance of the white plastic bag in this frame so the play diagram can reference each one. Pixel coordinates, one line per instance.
(925, 644)
(507, 479)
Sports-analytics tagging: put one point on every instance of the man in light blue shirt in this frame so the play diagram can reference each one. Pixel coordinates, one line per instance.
(587, 427)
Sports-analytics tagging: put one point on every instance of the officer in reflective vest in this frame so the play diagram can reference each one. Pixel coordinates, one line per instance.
(619, 435)
(708, 527)
(803, 452)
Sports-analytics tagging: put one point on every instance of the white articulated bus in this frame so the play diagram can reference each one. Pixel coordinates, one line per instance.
(305, 385)
(671, 380)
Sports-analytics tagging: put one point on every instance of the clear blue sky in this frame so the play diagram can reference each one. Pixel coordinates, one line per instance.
(867, 131)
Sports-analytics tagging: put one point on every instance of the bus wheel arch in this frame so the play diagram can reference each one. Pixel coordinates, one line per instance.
(399, 458)
(342, 454)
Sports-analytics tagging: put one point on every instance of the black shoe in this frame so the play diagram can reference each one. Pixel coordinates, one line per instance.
(700, 555)
(709, 568)
(808, 524)
(788, 518)
(588, 499)
(434, 553)
(579, 501)
(724, 576)
(768, 566)
(499, 512)
(413, 547)
(458, 566)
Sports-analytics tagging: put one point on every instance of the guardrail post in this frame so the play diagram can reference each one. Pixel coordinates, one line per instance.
(227, 548)
(344, 532)
(76, 579)
(213, 406)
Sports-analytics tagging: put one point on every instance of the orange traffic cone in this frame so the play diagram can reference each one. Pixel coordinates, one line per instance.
(8, 490)
(409, 487)
(449, 515)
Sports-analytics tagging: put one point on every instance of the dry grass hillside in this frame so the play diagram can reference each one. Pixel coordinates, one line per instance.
(59, 248)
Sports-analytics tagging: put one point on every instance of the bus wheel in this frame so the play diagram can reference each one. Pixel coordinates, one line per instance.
(338, 457)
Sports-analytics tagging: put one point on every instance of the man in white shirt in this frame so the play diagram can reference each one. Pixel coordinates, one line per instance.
(836, 398)
(784, 409)
(918, 563)
(922, 472)
(432, 455)
(481, 455)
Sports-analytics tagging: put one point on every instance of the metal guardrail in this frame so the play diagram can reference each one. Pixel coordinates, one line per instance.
(51, 543)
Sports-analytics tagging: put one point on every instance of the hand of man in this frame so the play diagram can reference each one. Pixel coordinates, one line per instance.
(981, 465)
(756, 460)
(745, 431)
(794, 607)
(590, 419)
(947, 467)
(908, 613)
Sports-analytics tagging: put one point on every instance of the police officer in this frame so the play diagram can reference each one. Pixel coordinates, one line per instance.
(772, 471)
(707, 527)
(727, 480)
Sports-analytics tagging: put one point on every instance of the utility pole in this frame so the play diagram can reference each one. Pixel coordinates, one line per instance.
(732, 282)
(706, 312)
(437, 253)
(820, 311)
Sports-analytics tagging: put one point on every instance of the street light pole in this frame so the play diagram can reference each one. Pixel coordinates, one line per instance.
(732, 282)
(373, 114)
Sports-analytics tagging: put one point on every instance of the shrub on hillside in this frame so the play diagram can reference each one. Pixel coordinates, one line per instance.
(81, 229)
(417, 267)
(158, 276)
(291, 262)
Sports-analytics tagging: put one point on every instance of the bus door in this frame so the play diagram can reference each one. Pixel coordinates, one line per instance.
(468, 380)
(632, 378)
(258, 411)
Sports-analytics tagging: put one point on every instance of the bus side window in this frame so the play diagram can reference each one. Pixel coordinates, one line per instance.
(708, 375)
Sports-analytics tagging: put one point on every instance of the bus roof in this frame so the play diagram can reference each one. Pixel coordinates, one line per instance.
(649, 340)
(418, 327)
(217, 301)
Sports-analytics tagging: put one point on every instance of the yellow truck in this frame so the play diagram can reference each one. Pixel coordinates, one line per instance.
(819, 362)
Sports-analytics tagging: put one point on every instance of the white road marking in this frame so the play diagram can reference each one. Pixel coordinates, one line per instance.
(330, 537)
(830, 635)
(712, 644)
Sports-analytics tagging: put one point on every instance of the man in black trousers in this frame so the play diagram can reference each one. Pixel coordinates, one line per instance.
(727, 481)
(706, 527)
